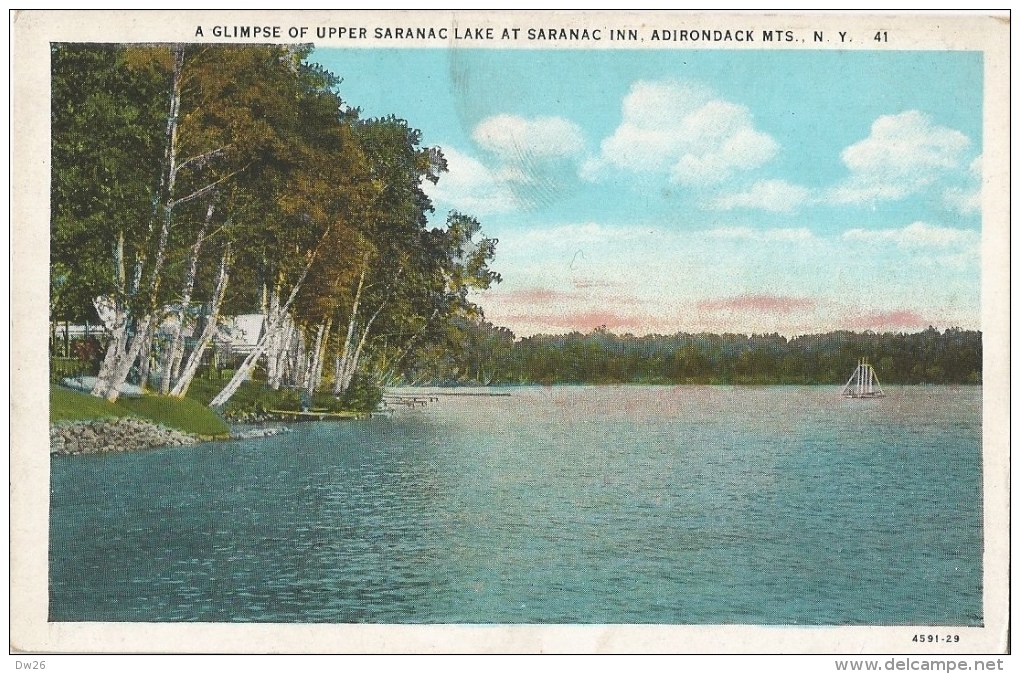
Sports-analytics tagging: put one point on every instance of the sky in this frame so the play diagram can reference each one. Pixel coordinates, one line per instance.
(670, 191)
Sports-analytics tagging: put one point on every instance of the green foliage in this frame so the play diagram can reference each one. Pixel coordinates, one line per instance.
(106, 122)
(363, 395)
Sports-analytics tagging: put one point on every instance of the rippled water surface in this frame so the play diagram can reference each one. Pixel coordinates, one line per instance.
(690, 505)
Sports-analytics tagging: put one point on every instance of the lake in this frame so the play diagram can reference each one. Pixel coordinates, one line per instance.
(592, 504)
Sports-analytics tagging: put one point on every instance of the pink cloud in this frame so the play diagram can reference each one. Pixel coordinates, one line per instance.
(902, 318)
(535, 296)
(585, 321)
(771, 304)
(539, 297)
(545, 310)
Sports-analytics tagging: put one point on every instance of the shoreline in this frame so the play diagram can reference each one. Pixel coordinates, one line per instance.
(71, 437)
(129, 434)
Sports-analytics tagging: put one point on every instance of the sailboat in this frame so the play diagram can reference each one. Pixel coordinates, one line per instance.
(863, 383)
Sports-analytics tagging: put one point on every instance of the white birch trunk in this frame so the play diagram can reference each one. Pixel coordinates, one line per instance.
(115, 317)
(279, 360)
(339, 381)
(116, 349)
(308, 378)
(273, 343)
(175, 353)
(297, 355)
(145, 360)
(124, 357)
(118, 374)
(320, 356)
(243, 370)
(180, 389)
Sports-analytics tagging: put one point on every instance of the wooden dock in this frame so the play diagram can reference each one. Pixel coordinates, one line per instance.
(413, 400)
(317, 415)
(409, 401)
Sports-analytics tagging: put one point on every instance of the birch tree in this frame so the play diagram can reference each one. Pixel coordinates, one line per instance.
(230, 114)
(231, 177)
(106, 148)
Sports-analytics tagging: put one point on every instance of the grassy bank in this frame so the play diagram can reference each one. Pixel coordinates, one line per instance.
(251, 402)
(187, 415)
(254, 399)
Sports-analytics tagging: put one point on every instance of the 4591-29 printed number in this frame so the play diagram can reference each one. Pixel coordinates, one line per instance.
(936, 638)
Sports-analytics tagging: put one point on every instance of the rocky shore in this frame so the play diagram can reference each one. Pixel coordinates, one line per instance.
(127, 434)
(115, 435)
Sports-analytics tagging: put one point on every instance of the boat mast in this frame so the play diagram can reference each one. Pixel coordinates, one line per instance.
(863, 382)
(876, 385)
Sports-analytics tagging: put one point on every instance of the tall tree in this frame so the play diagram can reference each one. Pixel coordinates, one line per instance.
(106, 140)
(393, 224)
(312, 208)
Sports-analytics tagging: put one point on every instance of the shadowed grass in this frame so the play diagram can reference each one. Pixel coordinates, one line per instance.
(183, 414)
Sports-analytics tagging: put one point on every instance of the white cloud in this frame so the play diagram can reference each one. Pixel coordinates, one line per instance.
(904, 154)
(916, 235)
(963, 201)
(966, 200)
(535, 158)
(516, 139)
(788, 234)
(777, 196)
(470, 186)
(975, 167)
(683, 129)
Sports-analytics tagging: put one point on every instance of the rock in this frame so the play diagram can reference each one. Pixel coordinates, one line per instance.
(259, 433)
(118, 435)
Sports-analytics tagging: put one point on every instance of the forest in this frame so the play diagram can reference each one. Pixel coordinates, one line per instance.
(491, 355)
(194, 182)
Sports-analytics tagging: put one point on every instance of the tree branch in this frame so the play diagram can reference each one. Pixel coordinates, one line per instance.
(205, 190)
(212, 154)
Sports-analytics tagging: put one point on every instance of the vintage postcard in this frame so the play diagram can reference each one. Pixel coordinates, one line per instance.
(514, 332)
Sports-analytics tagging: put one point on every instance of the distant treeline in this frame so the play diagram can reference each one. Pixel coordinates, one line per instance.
(490, 355)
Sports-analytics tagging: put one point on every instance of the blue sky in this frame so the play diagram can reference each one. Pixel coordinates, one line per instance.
(716, 190)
